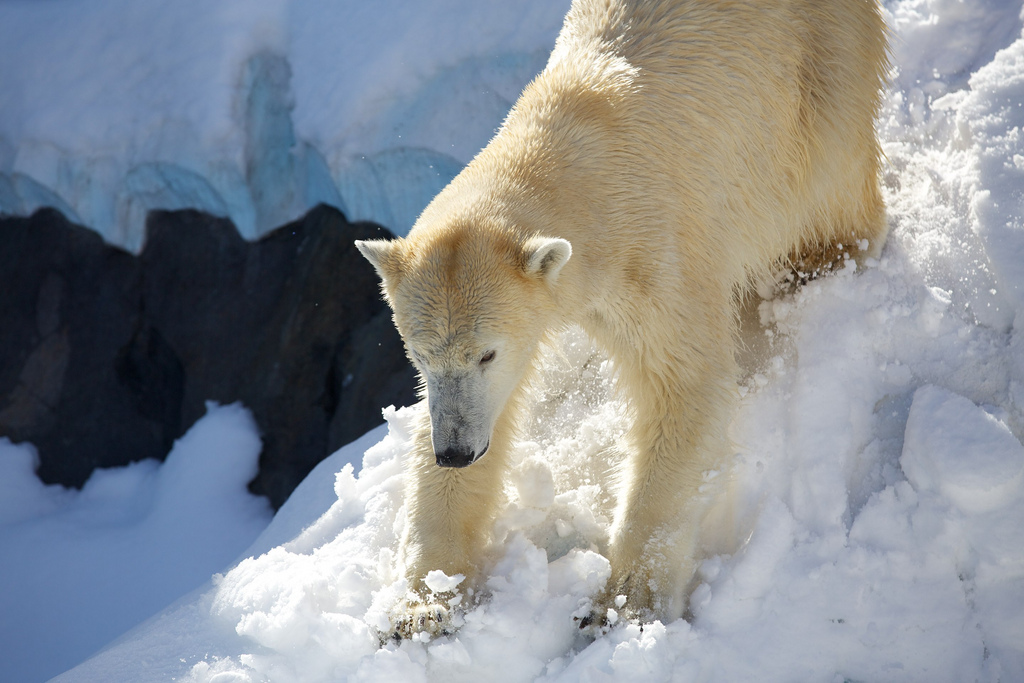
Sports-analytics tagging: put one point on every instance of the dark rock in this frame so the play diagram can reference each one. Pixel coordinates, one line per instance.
(69, 307)
(106, 358)
(263, 322)
(153, 373)
(371, 362)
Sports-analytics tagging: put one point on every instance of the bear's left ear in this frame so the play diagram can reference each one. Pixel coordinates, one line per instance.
(545, 257)
(383, 255)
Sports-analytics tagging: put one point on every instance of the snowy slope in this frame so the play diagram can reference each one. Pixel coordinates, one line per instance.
(873, 529)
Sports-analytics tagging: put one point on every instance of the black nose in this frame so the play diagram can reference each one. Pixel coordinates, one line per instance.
(452, 457)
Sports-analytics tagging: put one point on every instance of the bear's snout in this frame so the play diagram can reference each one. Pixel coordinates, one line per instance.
(457, 457)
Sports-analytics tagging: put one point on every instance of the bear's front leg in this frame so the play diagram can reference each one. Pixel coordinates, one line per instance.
(682, 405)
(449, 520)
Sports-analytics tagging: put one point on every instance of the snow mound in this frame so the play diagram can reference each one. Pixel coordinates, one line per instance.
(955, 448)
(89, 564)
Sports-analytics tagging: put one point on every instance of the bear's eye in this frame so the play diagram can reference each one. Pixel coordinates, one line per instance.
(487, 358)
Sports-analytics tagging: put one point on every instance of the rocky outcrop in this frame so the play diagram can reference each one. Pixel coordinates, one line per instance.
(106, 358)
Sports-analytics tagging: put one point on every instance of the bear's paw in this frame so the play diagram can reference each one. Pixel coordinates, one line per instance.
(423, 621)
(604, 612)
(436, 611)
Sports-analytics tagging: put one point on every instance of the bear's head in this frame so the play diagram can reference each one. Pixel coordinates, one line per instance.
(471, 306)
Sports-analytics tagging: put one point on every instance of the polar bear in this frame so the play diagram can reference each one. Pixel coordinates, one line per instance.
(670, 154)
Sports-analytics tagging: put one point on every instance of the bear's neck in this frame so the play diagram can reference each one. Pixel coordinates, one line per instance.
(544, 174)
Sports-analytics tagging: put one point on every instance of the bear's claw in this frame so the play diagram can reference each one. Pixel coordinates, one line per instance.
(422, 622)
(594, 624)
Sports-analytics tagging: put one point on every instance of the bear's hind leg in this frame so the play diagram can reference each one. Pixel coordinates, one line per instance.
(850, 224)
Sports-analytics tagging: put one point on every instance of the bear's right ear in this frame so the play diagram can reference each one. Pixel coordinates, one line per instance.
(545, 257)
(382, 254)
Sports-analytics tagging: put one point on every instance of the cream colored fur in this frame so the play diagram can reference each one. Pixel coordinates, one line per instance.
(684, 150)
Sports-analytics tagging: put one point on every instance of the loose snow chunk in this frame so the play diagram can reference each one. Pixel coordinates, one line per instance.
(955, 448)
(439, 582)
(578, 573)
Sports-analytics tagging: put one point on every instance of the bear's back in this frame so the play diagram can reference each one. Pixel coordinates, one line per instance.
(739, 119)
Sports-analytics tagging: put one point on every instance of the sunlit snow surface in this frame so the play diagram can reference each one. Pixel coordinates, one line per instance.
(874, 526)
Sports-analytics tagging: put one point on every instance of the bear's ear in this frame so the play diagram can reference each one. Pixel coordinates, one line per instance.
(382, 254)
(545, 257)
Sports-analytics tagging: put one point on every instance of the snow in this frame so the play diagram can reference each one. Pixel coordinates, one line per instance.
(871, 528)
(79, 568)
(956, 449)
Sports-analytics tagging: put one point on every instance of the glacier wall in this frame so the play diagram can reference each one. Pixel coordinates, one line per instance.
(256, 111)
